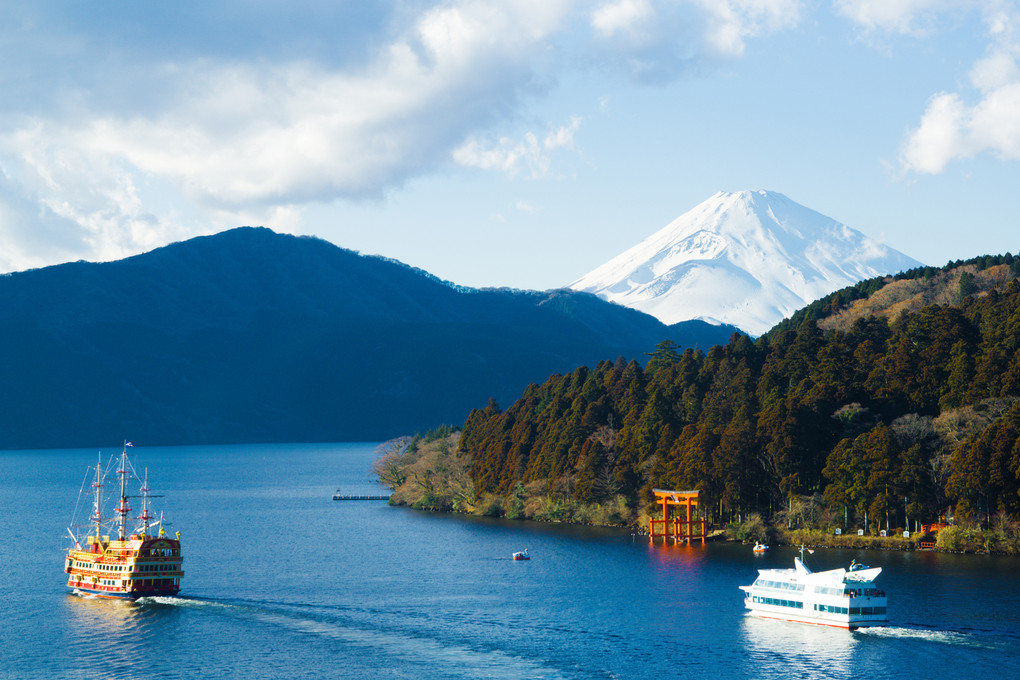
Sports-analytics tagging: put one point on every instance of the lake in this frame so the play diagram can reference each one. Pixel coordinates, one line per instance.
(283, 582)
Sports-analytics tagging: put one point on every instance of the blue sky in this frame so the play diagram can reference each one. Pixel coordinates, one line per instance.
(501, 143)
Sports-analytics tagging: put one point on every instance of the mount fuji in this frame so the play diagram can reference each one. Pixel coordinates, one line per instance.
(749, 259)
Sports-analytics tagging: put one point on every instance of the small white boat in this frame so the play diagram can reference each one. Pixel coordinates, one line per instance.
(843, 598)
(759, 548)
(523, 555)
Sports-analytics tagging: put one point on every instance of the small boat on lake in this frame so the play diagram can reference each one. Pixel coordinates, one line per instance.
(759, 548)
(843, 598)
(523, 555)
(137, 563)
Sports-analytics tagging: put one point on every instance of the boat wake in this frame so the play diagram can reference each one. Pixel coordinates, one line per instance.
(361, 628)
(938, 636)
(84, 595)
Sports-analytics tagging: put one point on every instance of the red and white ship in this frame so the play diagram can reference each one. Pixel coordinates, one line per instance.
(136, 563)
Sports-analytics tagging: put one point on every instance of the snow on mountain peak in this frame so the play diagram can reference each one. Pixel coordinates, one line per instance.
(748, 258)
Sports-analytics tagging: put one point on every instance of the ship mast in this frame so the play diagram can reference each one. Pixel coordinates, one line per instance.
(122, 506)
(145, 516)
(97, 516)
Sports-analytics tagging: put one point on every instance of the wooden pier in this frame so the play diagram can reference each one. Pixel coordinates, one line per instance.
(358, 497)
(677, 528)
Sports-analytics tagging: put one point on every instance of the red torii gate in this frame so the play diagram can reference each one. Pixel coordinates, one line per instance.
(678, 529)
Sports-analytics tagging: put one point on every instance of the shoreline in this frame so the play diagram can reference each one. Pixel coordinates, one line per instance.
(969, 541)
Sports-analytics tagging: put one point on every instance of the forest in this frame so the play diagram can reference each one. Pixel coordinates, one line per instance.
(888, 405)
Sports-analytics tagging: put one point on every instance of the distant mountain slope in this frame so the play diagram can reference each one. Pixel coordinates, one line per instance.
(250, 335)
(749, 259)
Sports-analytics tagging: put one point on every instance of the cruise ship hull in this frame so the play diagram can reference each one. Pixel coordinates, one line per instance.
(830, 623)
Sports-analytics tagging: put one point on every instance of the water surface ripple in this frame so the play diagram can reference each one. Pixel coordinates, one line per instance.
(281, 581)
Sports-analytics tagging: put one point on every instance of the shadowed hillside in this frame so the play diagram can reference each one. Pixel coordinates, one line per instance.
(251, 335)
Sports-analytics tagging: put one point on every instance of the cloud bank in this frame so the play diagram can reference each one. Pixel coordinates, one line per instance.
(153, 122)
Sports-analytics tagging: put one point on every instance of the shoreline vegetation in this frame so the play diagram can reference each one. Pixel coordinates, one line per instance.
(431, 472)
(890, 405)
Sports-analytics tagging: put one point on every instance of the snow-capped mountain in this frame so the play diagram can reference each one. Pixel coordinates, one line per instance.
(749, 259)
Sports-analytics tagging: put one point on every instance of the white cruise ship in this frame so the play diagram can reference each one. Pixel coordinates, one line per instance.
(843, 598)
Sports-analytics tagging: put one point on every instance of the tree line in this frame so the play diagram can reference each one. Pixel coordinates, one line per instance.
(893, 424)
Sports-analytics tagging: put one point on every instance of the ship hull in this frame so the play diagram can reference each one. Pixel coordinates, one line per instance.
(85, 592)
(828, 623)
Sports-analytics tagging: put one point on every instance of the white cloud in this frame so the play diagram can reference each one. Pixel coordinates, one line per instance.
(939, 138)
(621, 16)
(511, 156)
(894, 16)
(83, 205)
(563, 136)
(243, 140)
(951, 129)
(657, 40)
(995, 123)
(140, 144)
(994, 71)
(732, 22)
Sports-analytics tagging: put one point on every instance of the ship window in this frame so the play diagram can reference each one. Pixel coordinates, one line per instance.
(781, 603)
(779, 585)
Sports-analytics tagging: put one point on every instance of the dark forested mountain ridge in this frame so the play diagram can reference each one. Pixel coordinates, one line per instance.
(250, 335)
(886, 418)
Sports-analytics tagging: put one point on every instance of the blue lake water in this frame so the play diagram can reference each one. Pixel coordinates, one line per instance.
(282, 582)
